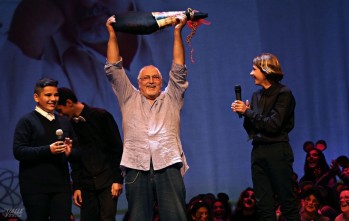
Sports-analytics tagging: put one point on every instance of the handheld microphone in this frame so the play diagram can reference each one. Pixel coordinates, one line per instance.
(59, 134)
(238, 95)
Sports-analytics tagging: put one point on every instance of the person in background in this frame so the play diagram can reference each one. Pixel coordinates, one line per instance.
(311, 203)
(153, 158)
(246, 209)
(200, 210)
(316, 168)
(267, 120)
(43, 157)
(222, 208)
(340, 167)
(97, 177)
(344, 205)
(318, 173)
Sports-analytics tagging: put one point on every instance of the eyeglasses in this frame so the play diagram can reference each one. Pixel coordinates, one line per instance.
(148, 77)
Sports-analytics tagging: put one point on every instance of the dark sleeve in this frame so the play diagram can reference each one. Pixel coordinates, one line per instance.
(75, 165)
(74, 157)
(115, 145)
(281, 109)
(75, 152)
(24, 148)
(248, 125)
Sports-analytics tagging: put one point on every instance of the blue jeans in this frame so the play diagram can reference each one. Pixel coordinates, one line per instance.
(147, 191)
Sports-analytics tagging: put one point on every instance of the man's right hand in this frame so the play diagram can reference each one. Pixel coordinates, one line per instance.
(109, 23)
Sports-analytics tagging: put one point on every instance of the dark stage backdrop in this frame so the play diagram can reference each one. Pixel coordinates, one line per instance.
(311, 39)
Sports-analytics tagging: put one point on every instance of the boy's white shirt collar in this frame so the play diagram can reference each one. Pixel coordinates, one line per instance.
(49, 116)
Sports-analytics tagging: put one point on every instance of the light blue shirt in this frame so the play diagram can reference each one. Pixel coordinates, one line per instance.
(151, 131)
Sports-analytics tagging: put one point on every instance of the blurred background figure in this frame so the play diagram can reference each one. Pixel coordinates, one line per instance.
(311, 203)
(199, 210)
(340, 168)
(222, 208)
(317, 173)
(315, 165)
(344, 205)
(245, 209)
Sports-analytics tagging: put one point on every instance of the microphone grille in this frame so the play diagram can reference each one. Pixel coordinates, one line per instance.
(59, 132)
(237, 88)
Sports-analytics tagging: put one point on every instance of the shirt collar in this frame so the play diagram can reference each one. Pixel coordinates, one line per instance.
(83, 113)
(270, 90)
(49, 116)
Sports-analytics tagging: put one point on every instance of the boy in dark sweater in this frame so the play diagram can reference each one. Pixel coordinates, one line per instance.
(43, 159)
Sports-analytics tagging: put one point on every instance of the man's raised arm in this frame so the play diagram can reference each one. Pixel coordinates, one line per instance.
(178, 47)
(113, 53)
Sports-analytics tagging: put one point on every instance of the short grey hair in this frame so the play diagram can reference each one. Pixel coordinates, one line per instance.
(140, 71)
